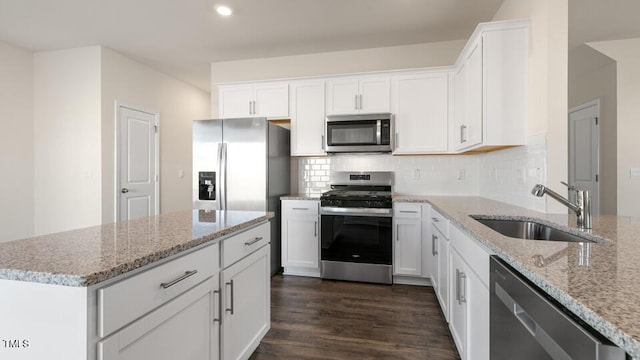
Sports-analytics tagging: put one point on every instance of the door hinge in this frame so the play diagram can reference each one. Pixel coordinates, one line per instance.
(596, 121)
(596, 177)
(155, 128)
(158, 177)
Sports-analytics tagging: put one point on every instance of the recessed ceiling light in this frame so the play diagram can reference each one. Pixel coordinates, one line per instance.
(224, 10)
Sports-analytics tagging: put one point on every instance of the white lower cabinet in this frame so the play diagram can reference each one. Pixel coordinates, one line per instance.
(246, 304)
(442, 291)
(411, 243)
(187, 327)
(469, 303)
(301, 237)
(408, 247)
(458, 308)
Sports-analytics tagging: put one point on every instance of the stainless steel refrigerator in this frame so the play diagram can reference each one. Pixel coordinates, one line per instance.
(242, 164)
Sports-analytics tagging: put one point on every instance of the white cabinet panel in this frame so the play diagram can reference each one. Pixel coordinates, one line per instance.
(252, 100)
(302, 242)
(181, 329)
(469, 304)
(374, 94)
(235, 101)
(301, 237)
(420, 104)
(271, 100)
(478, 311)
(458, 307)
(468, 92)
(363, 94)
(116, 307)
(307, 118)
(490, 88)
(427, 242)
(442, 291)
(407, 247)
(342, 96)
(246, 305)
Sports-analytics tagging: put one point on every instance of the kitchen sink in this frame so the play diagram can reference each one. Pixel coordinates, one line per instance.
(529, 230)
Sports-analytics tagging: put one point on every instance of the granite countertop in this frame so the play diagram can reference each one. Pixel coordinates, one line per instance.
(89, 256)
(599, 282)
(300, 197)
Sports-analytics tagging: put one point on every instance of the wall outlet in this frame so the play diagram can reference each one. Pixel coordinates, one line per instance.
(634, 173)
(180, 174)
(416, 174)
(461, 174)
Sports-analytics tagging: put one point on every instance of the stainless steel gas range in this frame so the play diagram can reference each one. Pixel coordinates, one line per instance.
(356, 227)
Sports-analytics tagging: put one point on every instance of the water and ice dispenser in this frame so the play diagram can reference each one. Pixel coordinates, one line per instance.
(207, 185)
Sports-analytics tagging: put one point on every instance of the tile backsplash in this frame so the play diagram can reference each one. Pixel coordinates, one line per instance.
(505, 175)
(313, 175)
(509, 175)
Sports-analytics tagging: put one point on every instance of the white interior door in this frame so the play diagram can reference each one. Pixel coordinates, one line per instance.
(137, 164)
(584, 151)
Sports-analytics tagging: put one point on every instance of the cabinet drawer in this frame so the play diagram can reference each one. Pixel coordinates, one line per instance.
(131, 298)
(440, 222)
(473, 254)
(407, 211)
(243, 244)
(300, 207)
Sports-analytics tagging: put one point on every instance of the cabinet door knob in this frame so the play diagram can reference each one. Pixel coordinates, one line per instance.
(124, 190)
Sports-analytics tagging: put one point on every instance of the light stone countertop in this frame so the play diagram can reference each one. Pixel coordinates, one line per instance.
(299, 197)
(91, 255)
(598, 282)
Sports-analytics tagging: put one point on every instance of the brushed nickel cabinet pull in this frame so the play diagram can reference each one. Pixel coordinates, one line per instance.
(173, 282)
(230, 283)
(434, 250)
(463, 285)
(458, 286)
(249, 243)
(216, 319)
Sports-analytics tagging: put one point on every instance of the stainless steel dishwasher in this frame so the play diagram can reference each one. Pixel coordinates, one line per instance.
(527, 324)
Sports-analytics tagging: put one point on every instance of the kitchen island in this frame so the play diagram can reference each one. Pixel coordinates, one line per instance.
(93, 293)
(598, 282)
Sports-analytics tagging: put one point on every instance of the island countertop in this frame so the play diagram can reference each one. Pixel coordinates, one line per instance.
(92, 255)
(599, 282)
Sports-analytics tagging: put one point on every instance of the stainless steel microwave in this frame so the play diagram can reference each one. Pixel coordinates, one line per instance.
(359, 133)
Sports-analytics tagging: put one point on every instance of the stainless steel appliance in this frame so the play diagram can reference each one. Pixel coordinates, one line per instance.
(527, 324)
(355, 219)
(359, 133)
(242, 164)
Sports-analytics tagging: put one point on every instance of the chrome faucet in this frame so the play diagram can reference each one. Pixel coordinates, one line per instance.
(582, 207)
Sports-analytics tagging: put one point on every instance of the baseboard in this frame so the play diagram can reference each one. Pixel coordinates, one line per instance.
(296, 271)
(411, 280)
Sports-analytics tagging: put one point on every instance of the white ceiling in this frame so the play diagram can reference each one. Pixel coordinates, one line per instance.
(182, 37)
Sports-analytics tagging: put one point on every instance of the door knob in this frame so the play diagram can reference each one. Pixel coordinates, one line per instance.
(124, 190)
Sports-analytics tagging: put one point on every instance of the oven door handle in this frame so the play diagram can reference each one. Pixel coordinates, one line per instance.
(379, 212)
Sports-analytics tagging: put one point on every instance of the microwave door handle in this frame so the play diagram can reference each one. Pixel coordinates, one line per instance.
(379, 132)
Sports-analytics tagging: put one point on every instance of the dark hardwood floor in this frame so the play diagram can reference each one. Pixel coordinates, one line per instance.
(324, 319)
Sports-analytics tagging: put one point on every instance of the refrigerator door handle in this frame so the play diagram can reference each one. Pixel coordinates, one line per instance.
(222, 187)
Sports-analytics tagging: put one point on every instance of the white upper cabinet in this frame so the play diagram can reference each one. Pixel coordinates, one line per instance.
(363, 94)
(420, 104)
(489, 94)
(307, 117)
(254, 100)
